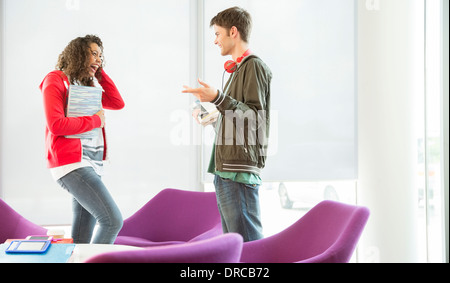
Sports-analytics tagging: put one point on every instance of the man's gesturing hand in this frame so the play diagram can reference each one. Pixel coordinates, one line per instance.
(205, 93)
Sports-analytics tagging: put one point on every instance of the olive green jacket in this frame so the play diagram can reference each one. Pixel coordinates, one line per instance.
(242, 129)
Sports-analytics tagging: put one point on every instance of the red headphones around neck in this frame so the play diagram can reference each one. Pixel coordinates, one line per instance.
(231, 66)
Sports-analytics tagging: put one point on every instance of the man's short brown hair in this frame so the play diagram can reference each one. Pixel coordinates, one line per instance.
(236, 17)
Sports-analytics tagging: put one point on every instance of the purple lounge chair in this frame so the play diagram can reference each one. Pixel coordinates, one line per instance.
(225, 248)
(15, 226)
(172, 217)
(328, 233)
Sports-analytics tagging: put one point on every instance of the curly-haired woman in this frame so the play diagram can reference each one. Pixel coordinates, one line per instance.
(77, 164)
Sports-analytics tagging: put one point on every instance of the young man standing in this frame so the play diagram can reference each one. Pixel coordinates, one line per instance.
(242, 129)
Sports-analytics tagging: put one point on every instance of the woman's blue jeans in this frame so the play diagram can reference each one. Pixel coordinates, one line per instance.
(239, 208)
(91, 203)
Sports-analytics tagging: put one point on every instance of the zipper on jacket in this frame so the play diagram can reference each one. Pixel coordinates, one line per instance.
(218, 126)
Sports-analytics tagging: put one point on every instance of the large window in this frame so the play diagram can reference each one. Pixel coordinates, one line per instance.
(154, 47)
(312, 58)
(147, 54)
(310, 47)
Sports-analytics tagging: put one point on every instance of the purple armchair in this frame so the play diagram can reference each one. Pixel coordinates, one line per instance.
(172, 217)
(15, 226)
(225, 248)
(328, 233)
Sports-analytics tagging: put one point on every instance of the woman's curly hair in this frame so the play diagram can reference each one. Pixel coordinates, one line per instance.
(74, 60)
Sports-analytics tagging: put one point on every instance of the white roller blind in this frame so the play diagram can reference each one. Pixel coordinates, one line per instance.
(146, 48)
(310, 47)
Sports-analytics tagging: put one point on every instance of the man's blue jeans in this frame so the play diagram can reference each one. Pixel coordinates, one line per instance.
(239, 208)
(91, 203)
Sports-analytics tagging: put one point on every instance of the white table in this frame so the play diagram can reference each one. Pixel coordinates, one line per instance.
(82, 252)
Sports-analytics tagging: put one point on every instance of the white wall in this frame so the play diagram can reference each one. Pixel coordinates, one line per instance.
(445, 123)
(390, 87)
